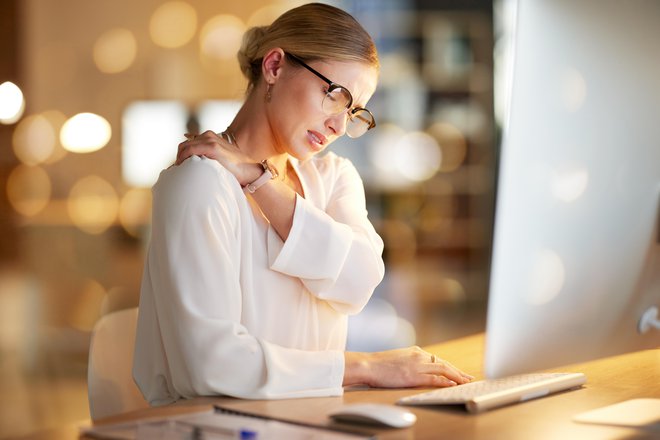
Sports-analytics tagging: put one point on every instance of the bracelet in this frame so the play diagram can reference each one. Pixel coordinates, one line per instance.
(269, 173)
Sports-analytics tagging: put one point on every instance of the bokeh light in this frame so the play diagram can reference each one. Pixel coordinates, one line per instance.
(452, 144)
(402, 158)
(221, 37)
(28, 189)
(265, 15)
(453, 290)
(12, 103)
(382, 154)
(115, 51)
(34, 140)
(135, 210)
(93, 204)
(85, 133)
(418, 156)
(56, 119)
(173, 24)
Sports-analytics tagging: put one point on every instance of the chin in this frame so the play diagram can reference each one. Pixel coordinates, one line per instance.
(305, 153)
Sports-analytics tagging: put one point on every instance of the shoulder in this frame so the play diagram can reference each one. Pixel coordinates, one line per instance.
(195, 172)
(197, 179)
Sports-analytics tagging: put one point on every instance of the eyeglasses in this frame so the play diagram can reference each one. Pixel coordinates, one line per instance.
(337, 100)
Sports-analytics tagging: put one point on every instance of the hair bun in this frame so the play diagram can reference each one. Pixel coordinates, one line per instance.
(248, 54)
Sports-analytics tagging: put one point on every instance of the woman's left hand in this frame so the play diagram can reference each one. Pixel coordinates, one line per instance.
(401, 368)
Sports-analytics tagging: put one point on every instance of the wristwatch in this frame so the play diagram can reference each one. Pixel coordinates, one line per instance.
(270, 172)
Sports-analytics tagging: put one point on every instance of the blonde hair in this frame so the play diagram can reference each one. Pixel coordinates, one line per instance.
(313, 31)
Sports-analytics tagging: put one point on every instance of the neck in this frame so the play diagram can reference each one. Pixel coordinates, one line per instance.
(253, 133)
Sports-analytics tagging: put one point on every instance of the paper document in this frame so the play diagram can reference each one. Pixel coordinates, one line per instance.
(211, 425)
(634, 413)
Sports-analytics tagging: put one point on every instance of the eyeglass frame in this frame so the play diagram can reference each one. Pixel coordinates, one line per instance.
(332, 86)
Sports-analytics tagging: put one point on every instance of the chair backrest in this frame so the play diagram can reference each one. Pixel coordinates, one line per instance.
(110, 386)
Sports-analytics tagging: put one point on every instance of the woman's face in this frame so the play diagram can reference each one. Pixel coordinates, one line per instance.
(301, 126)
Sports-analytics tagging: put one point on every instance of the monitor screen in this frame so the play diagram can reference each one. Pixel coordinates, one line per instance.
(576, 252)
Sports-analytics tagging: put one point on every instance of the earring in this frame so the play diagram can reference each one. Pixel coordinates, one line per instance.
(269, 96)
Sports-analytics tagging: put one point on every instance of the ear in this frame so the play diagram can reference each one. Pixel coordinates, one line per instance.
(271, 67)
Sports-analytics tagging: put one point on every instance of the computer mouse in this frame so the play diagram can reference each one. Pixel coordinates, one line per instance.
(374, 413)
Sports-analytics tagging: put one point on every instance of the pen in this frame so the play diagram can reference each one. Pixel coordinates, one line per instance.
(238, 434)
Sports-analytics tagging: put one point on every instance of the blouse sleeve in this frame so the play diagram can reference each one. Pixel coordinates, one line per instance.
(336, 253)
(191, 299)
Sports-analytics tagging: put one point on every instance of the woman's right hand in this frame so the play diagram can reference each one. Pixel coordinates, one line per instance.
(401, 368)
(214, 146)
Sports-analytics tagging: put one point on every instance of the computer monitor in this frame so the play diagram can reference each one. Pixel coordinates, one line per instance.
(576, 251)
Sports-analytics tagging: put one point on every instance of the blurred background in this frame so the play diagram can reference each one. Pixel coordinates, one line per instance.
(96, 95)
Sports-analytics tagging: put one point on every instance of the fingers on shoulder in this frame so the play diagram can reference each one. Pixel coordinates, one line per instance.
(196, 144)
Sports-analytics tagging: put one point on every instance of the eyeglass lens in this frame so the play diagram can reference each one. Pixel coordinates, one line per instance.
(338, 100)
(359, 122)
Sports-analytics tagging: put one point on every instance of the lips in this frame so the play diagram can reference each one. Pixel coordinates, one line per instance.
(317, 139)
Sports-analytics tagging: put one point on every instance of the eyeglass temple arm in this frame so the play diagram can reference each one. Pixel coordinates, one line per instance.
(302, 63)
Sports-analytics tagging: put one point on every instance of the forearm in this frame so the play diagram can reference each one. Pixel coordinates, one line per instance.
(347, 265)
(277, 202)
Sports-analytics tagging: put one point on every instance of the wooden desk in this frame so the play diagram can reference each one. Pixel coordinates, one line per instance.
(609, 381)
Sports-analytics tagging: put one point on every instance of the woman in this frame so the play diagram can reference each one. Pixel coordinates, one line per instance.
(260, 248)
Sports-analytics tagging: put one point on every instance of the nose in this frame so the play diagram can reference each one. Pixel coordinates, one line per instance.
(337, 123)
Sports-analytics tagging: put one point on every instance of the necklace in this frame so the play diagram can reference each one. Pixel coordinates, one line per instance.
(230, 138)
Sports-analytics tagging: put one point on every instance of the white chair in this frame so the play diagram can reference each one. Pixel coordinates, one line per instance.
(110, 386)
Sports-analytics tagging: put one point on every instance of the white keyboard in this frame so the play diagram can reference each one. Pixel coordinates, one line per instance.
(486, 394)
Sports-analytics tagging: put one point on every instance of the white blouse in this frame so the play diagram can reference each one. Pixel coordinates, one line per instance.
(227, 307)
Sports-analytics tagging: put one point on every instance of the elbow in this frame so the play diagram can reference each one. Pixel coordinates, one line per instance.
(358, 292)
(351, 292)
(349, 309)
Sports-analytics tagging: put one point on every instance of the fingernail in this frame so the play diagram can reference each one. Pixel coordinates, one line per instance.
(452, 383)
